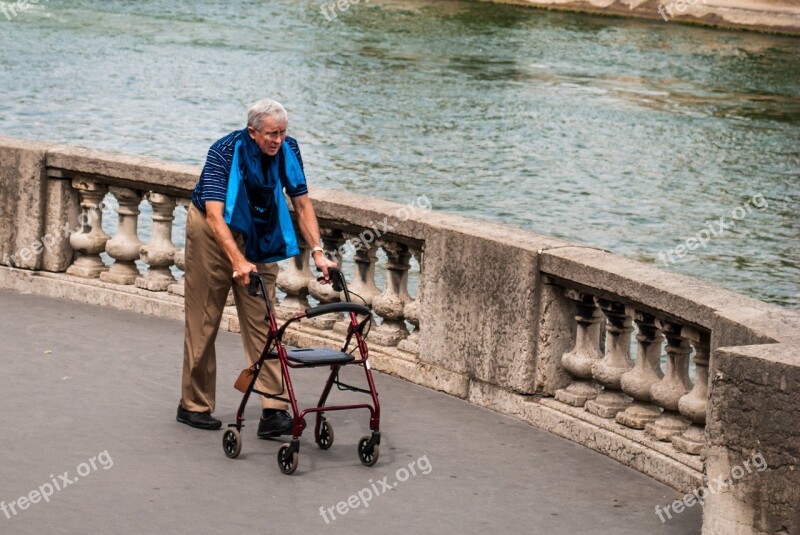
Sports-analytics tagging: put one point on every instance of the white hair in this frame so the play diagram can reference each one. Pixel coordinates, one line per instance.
(266, 107)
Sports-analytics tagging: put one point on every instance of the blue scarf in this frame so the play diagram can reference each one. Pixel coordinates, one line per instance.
(255, 205)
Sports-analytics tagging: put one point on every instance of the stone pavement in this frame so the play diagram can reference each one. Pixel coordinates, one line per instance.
(89, 394)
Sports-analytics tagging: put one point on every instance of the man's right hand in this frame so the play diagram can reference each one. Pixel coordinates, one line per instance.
(242, 267)
(241, 272)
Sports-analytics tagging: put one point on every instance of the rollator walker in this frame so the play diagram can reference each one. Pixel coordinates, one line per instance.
(290, 358)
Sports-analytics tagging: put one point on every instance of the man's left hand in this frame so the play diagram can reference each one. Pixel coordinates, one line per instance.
(323, 263)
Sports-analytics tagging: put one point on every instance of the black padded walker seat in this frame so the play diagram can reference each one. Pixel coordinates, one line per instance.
(314, 356)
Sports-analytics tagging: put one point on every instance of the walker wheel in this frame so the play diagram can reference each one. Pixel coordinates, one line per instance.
(368, 456)
(325, 439)
(232, 442)
(287, 463)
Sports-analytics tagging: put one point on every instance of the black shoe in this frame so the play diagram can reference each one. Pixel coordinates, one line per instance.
(200, 420)
(274, 423)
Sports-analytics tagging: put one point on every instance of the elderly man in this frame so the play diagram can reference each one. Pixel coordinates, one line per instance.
(239, 220)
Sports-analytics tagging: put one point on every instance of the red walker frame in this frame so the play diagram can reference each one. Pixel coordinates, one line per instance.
(368, 446)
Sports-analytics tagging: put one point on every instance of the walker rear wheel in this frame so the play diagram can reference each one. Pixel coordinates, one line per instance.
(232, 442)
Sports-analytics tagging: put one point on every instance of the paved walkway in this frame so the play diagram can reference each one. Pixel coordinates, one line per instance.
(84, 384)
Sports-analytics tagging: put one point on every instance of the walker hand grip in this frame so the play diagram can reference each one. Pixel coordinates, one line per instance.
(335, 276)
(336, 307)
(255, 278)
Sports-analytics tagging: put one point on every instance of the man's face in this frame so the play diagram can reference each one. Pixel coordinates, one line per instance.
(269, 137)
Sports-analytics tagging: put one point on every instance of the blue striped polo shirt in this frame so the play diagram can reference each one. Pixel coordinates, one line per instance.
(213, 183)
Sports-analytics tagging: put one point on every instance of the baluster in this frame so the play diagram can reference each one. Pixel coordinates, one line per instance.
(124, 247)
(159, 253)
(294, 280)
(363, 282)
(411, 313)
(390, 304)
(179, 288)
(673, 386)
(332, 240)
(617, 361)
(693, 405)
(586, 352)
(91, 240)
(645, 373)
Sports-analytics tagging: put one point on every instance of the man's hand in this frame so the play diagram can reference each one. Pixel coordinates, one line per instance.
(323, 263)
(241, 272)
(242, 267)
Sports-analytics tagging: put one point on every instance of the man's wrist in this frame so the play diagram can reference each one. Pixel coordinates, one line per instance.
(317, 249)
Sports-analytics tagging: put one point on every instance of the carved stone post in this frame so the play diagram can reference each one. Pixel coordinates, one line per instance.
(363, 282)
(617, 361)
(91, 240)
(324, 293)
(586, 352)
(391, 303)
(693, 405)
(124, 247)
(179, 288)
(673, 386)
(645, 373)
(294, 280)
(411, 313)
(159, 253)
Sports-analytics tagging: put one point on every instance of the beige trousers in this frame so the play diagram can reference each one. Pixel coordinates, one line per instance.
(209, 277)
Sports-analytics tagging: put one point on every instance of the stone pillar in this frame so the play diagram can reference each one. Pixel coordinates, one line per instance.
(179, 288)
(411, 313)
(363, 282)
(124, 247)
(753, 436)
(159, 253)
(294, 280)
(580, 360)
(693, 405)
(617, 361)
(645, 373)
(391, 303)
(673, 386)
(332, 240)
(91, 240)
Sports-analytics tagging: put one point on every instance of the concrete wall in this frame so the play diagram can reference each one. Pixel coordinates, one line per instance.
(23, 190)
(754, 417)
(779, 16)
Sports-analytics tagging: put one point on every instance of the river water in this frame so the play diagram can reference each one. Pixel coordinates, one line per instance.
(623, 134)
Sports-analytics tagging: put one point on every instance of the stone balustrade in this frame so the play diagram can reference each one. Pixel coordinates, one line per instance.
(645, 366)
(638, 392)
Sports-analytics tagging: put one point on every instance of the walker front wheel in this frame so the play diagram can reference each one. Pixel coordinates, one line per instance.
(325, 439)
(287, 462)
(232, 442)
(366, 453)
